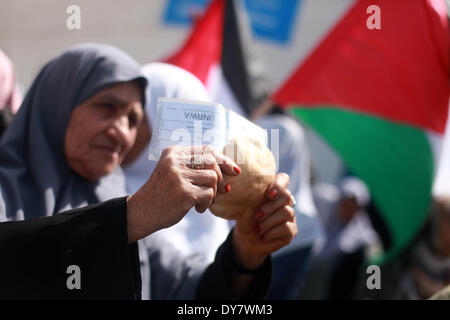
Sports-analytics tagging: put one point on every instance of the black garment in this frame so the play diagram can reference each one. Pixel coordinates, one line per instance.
(35, 256)
(344, 276)
(217, 279)
(5, 119)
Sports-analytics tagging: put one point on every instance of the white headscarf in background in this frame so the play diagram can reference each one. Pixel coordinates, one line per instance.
(10, 96)
(354, 187)
(195, 233)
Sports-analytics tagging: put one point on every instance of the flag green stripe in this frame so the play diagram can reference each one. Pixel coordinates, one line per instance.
(395, 161)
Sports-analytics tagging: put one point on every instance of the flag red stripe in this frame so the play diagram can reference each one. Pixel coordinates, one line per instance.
(206, 39)
(399, 72)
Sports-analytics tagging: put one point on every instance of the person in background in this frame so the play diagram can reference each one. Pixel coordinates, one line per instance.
(349, 235)
(422, 270)
(196, 233)
(10, 97)
(291, 264)
(346, 222)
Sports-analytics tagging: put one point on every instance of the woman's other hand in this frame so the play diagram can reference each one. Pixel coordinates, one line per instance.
(272, 227)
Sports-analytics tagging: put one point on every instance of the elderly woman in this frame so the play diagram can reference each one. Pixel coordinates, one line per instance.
(61, 155)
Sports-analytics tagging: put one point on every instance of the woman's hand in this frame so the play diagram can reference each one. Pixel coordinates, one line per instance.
(272, 227)
(175, 187)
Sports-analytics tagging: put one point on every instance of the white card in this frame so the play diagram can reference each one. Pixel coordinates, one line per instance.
(189, 123)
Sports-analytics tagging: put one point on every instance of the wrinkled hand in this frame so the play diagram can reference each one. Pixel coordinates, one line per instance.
(175, 187)
(272, 227)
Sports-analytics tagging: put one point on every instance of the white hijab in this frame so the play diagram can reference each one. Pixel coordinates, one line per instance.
(195, 233)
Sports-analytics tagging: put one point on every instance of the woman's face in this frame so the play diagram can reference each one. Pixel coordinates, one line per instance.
(103, 129)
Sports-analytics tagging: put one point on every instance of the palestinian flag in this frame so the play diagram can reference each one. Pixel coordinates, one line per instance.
(219, 52)
(379, 97)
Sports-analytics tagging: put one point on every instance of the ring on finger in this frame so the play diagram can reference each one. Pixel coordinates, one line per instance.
(197, 162)
(293, 202)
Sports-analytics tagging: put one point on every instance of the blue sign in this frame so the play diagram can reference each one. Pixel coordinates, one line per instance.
(272, 19)
(181, 12)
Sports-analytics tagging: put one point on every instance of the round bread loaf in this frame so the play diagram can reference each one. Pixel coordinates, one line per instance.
(248, 189)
